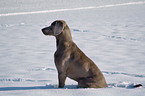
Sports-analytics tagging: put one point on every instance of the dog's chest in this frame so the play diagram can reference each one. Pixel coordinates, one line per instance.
(61, 55)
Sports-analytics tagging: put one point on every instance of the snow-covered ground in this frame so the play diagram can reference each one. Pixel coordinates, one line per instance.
(110, 32)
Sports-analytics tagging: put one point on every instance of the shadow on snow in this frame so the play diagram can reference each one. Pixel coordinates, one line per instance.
(37, 87)
(111, 85)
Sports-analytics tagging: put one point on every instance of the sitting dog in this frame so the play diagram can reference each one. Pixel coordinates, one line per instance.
(70, 61)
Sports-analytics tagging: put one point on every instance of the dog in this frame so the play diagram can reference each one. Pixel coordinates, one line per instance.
(70, 61)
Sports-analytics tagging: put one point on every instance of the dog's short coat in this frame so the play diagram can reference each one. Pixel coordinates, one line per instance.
(70, 61)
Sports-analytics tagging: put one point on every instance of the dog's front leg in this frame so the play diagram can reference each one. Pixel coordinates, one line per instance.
(62, 78)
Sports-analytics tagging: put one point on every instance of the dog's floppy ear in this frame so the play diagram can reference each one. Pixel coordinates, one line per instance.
(58, 28)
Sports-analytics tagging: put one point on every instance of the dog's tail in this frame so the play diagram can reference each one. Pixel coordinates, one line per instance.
(137, 85)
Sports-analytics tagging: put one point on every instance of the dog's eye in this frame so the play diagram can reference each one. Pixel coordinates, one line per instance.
(53, 24)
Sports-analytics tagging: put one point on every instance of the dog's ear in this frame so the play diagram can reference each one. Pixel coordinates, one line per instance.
(58, 28)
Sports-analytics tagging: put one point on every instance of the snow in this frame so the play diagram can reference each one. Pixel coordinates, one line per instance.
(112, 36)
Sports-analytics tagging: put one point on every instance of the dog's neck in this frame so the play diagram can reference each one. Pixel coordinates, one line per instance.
(63, 38)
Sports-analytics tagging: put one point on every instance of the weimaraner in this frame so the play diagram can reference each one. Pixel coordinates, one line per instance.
(70, 61)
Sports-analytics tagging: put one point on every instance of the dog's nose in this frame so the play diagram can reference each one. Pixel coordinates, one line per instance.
(43, 29)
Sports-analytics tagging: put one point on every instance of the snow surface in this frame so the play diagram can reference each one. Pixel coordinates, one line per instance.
(113, 36)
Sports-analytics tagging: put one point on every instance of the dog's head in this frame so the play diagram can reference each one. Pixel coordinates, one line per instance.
(55, 28)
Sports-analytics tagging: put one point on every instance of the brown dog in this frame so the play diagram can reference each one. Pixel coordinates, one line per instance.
(70, 61)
